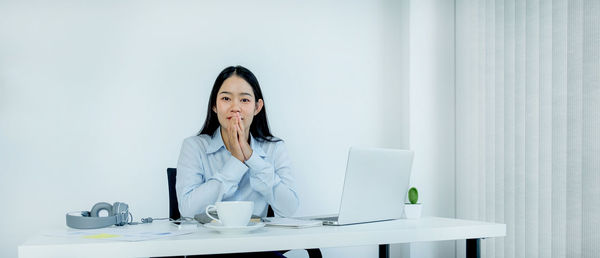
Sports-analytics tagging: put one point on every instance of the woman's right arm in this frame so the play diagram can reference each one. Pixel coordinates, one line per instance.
(196, 190)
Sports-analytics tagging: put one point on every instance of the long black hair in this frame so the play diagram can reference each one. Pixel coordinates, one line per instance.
(260, 126)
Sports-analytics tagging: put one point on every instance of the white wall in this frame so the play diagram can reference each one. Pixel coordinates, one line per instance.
(432, 112)
(96, 97)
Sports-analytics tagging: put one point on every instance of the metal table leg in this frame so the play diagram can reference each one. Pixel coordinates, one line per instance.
(384, 251)
(473, 250)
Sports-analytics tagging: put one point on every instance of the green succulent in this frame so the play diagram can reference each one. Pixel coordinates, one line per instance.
(413, 195)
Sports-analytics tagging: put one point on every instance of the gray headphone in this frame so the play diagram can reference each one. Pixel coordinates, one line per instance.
(118, 215)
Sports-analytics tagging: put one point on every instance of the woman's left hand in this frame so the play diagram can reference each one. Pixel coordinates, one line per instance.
(243, 140)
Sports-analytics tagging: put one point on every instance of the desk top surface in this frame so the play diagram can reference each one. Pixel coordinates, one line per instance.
(206, 241)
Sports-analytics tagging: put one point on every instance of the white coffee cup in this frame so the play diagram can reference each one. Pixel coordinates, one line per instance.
(232, 213)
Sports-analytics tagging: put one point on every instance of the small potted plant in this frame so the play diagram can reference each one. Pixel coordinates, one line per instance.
(412, 210)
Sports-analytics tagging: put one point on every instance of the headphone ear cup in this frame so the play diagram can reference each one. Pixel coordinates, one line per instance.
(101, 206)
(121, 211)
(120, 207)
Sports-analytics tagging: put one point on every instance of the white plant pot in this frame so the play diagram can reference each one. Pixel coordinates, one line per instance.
(412, 211)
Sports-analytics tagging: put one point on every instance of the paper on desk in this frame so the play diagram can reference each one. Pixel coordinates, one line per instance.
(120, 233)
(293, 223)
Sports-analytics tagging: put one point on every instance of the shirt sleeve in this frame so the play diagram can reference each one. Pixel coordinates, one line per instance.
(274, 181)
(195, 190)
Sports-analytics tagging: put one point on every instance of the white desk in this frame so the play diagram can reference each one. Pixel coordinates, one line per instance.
(270, 238)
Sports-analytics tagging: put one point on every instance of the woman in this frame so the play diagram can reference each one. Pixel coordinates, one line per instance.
(235, 157)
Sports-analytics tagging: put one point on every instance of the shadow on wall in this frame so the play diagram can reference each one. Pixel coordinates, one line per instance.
(3, 98)
(394, 55)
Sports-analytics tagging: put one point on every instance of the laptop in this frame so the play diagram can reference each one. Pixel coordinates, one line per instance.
(375, 186)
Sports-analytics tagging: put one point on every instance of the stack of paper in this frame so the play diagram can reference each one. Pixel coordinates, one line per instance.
(126, 233)
(292, 223)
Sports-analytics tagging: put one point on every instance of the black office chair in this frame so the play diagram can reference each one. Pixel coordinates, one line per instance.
(174, 209)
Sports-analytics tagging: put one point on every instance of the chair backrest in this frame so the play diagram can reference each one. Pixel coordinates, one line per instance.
(270, 212)
(173, 204)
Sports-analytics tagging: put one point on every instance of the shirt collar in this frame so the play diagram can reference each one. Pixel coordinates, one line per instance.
(216, 143)
(256, 147)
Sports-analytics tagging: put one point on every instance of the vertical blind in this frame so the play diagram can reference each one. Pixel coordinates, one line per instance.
(528, 124)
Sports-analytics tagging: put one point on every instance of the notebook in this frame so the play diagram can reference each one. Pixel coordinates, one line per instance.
(291, 222)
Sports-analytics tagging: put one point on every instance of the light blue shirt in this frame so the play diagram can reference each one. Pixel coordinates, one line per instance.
(208, 173)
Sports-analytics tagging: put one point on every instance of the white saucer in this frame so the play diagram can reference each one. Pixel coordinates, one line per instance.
(234, 230)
